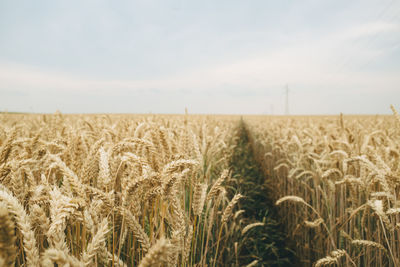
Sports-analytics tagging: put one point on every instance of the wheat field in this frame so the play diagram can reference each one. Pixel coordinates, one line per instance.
(121, 190)
(159, 190)
(336, 181)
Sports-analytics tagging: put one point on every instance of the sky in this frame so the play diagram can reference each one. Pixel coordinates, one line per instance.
(213, 57)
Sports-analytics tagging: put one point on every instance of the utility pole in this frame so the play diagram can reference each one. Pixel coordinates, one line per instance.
(287, 100)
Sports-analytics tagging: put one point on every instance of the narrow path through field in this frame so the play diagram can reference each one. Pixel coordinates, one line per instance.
(265, 243)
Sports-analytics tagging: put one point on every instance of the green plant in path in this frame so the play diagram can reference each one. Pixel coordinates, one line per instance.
(262, 240)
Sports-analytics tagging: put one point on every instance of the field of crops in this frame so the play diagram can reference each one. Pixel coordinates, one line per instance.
(171, 190)
(337, 182)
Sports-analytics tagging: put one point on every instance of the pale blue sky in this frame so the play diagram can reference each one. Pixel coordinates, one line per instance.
(209, 56)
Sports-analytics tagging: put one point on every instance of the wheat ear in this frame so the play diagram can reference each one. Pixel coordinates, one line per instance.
(199, 197)
(24, 225)
(157, 255)
(60, 257)
(228, 210)
(251, 226)
(217, 185)
(137, 229)
(396, 114)
(97, 240)
(8, 250)
(332, 259)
